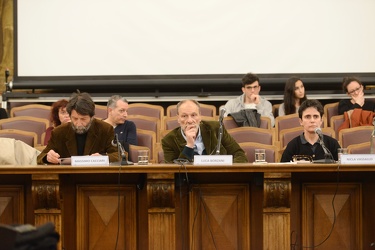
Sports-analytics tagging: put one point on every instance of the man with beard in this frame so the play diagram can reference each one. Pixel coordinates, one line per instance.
(84, 135)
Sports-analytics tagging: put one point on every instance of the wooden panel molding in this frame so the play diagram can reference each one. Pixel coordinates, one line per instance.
(12, 204)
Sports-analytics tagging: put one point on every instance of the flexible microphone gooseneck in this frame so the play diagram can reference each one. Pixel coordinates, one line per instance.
(221, 118)
(121, 152)
(328, 158)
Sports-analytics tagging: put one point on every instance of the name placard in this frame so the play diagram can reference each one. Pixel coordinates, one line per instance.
(86, 160)
(358, 159)
(213, 160)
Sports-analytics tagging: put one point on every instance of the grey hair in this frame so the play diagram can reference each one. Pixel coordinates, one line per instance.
(188, 100)
(113, 101)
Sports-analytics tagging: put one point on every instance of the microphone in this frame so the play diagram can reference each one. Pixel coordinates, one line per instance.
(115, 141)
(328, 158)
(221, 117)
(222, 113)
(121, 151)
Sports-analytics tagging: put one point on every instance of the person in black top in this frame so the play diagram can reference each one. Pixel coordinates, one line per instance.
(353, 87)
(310, 113)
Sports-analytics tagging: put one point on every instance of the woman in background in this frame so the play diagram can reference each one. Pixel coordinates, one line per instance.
(58, 116)
(353, 87)
(294, 95)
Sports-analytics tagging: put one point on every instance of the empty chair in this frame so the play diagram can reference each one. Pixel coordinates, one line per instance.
(30, 138)
(27, 123)
(286, 121)
(33, 110)
(272, 154)
(159, 154)
(265, 122)
(206, 110)
(360, 148)
(336, 122)
(350, 136)
(101, 111)
(147, 139)
(252, 134)
(330, 109)
(134, 152)
(146, 110)
(146, 123)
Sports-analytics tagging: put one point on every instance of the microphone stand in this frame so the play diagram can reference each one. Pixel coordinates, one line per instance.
(328, 158)
(220, 137)
(121, 154)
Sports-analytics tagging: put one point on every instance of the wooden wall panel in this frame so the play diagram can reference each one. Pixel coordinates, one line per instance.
(12, 205)
(219, 217)
(106, 217)
(341, 223)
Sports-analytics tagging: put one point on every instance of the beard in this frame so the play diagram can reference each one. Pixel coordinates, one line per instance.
(81, 129)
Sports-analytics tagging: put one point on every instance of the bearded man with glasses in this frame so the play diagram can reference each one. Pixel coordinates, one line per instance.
(353, 87)
(250, 99)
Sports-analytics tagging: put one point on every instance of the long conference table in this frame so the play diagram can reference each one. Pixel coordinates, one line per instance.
(171, 206)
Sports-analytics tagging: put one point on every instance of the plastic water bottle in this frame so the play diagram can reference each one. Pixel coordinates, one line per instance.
(372, 139)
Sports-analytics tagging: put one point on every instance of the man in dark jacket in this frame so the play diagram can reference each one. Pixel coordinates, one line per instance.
(84, 135)
(195, 136)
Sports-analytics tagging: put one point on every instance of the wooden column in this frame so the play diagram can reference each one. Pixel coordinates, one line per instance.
(161, 212)
(276, 211)
(47, 201)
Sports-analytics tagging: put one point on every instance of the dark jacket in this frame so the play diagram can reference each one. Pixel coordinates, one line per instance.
(174, 144)
(99, 137)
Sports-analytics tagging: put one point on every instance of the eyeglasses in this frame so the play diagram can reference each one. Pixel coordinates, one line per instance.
(252, 87)
(354, 90)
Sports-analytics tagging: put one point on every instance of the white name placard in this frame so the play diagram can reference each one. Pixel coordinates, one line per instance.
(213, 160)
(358, 159)
(86, 160)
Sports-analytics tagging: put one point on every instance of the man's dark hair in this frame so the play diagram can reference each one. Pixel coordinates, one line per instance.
(249, 78)
(311, 104)
(81, 103)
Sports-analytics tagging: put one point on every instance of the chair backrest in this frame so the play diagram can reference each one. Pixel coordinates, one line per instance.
(350, 136)
(330, 109)
(360, 148)
(159, 154)
(170, 123)
(286, 135)
(147, 139)
(252, 134)
(336, 122)
(146, 110)
(27, 123)
(265, 122)
(30, 138)
(285, 122)
(33, 110)
(101, 111)
(229, 122)
(206, 110)
(146, 123)
(249, 148)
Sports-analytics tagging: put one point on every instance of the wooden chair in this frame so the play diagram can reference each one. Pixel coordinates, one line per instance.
(27, 123)
(101, 111)
(30, 138)
(33, 110)
(146, 123)
(253, 134)
(286, 135)
(275, 109)
(147, 139)
(229, 122)
(360, 148)
(336, 122)
(272, 151)
(159, 154)
(350, 136)
(146, 110)
(206, 110)
(285, 122)
(330, 109)
(265, 122)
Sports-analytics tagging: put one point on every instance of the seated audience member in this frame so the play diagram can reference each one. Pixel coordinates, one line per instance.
(58, 116)
(84, 135)
(310, 113)
(117, 112)
(195, 136)
(250, 99)
(353, 87)
(3, 113)
(294, 95)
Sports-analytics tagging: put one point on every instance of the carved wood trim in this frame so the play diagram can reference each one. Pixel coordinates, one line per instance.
(277, 191)
(46, 191)
(160, 191)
